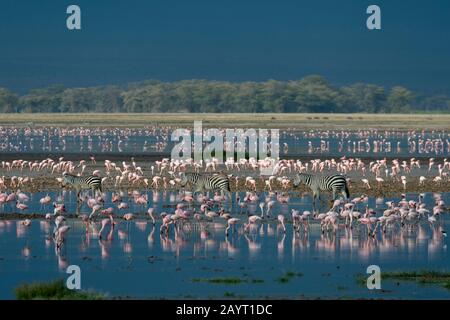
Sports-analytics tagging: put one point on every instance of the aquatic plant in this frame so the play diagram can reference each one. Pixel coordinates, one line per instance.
(55, 290)
(441, 278)
(229, 280)
(287, 276)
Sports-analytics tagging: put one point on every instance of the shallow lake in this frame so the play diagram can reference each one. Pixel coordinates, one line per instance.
(292, 142)
(136, 261)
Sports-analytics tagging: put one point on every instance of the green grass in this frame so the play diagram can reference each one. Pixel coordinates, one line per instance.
(426, 277)
(287, 276)
(55, 290)
(229, 280)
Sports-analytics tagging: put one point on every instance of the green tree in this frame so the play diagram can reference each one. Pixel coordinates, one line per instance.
(8, 101)
(314, 94)
(399, 100)
(362, 97)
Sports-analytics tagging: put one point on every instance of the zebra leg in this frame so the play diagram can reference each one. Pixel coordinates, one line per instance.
(321, 200)
(334, 198)
(229, 198)
(100, 189)
(344, 193)
(314, 202)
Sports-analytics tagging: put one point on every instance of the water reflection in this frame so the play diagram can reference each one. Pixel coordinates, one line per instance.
(138, 248)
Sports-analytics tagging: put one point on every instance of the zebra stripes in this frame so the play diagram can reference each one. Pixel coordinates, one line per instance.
(206, 182)
(336, 183)
(82, 183)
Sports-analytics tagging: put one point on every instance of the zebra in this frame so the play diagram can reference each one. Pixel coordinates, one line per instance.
(206, 182)
(336, 183)
(81, 183)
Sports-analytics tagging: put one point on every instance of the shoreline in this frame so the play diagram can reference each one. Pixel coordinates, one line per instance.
(341, 121)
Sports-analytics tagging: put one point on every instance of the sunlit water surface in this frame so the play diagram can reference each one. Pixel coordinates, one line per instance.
(138, 262)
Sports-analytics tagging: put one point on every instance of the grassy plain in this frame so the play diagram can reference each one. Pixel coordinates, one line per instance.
(231, 120)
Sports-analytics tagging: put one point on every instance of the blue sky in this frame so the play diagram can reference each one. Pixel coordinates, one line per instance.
(126, 41)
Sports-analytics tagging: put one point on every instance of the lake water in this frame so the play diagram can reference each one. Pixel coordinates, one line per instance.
(139, 262)
(292, 142)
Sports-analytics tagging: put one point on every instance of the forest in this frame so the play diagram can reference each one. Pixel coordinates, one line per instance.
(309, 94)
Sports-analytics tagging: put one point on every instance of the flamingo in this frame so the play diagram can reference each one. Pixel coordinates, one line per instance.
(45, 200)
(61, 235)
(281, 220)
(231, 222)
(128, 216)
(150, 213)
(251, 220)
(26, 222)
(105, 222)
(21, 206)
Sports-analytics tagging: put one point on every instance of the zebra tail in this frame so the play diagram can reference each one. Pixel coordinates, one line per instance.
(347, 192)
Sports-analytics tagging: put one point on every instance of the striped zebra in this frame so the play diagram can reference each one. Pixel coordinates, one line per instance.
(82, 183)
(335, 183)
(202, 182)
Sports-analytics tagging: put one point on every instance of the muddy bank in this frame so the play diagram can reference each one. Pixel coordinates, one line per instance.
(386, 189)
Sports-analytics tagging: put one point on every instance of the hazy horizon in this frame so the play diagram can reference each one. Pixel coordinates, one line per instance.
(233, 41)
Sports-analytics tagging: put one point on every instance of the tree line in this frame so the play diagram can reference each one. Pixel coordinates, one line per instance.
(310, 94)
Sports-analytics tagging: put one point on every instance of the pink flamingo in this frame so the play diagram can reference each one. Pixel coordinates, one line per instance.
(251, 220)
(231, 224)
(26, 222)
(58, 208)
(45, 200)
(128, 216)
(150, 213)
(60, 235)
(21, 206)
(122, 205)
(85, 220)
(104, 223)
(281, 220)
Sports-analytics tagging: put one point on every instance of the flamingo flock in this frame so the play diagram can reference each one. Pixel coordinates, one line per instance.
(157, 138)
(201, 213)
(263, 186)
(245, 173)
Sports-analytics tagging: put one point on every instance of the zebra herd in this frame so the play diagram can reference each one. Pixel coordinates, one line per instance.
(220, 182)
